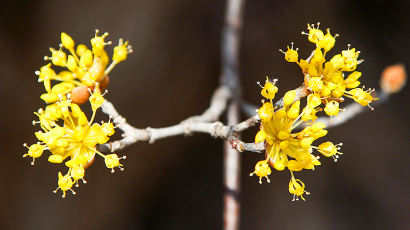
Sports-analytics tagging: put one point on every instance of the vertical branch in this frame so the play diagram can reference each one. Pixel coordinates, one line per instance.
(230, 45)
(230, 78)
(232, 165)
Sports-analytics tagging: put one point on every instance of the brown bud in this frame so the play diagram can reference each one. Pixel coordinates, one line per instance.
(80, 94)
(393, 78)
(271, 162)
(88, 164)
(103, 83)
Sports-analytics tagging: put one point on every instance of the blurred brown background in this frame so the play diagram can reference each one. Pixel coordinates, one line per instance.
(177, 183)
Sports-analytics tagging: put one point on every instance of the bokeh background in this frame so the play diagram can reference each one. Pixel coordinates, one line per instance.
(176, 183)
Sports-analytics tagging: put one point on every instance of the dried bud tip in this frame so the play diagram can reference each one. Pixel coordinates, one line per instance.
(393, 78)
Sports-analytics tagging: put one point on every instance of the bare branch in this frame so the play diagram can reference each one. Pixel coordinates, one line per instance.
(232, 165)
(252, 147)
(217, 106)
(191, 125)
(131, 135)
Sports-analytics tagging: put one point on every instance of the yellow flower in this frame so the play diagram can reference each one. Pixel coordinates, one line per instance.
(121, 51)
(58, 57)
(34, 151)
(262, 169)
(96, 99)
(362, 97)
(297, 188)
(85, 67)
(269, 89)
(77, 173)
(291, 55)
(64, 183)
(112, 161)
(328, 149)
(315, 34)
(46, 74)
(328, 41)
(70, 137)
(332, 108)
(98, 42)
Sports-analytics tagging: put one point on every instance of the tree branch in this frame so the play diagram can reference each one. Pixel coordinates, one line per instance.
(191, 125)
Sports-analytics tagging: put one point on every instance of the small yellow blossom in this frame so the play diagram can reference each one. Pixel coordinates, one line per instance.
(121, 51)
(362, 97)
(112, 161)
(269, 89)
(96, 99)
(262, 169)
(328, 149)
(314, 34)
(34, 151)
(77, 173)
(297, 188)
(98, 42)
(64, 183)
(58, 57)
(291, 55)
(332, 108)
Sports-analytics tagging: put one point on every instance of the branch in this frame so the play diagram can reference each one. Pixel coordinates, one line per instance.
(191, 125)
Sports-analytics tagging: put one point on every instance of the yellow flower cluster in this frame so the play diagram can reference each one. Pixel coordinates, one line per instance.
(326, 79)
(84, 68)
(67, 134)
(286, 148)
(66, 131)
